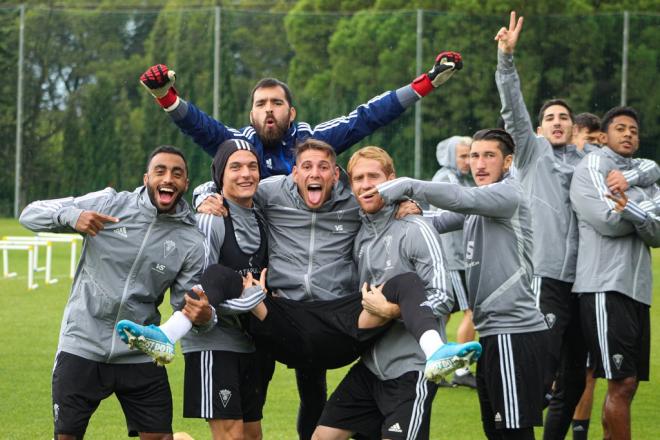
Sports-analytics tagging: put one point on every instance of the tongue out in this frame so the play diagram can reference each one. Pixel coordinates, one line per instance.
(314, 196)
(165, 197)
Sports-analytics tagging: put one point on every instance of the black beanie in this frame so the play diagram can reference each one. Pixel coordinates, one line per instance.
(226, 149)
(221, 283)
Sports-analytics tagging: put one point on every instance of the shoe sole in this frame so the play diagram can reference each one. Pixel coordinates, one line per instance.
(436, 373)
(148, 347)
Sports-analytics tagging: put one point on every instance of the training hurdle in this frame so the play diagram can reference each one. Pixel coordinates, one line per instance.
(6, 247)
(36, 243)
(73, 239)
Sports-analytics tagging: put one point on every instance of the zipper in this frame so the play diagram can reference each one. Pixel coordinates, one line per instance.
(127, 283)
(369, 269)
(312, 236)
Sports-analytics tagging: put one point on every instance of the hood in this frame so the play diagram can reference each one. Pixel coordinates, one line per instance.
(445, 152)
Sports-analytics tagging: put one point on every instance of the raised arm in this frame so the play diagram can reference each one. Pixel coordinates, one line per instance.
(497, 200)
(71, 214)
(514, 112)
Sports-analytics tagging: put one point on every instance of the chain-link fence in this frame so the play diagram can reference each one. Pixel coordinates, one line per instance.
(87, 124)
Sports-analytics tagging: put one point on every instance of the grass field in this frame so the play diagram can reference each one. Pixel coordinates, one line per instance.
(30, 323)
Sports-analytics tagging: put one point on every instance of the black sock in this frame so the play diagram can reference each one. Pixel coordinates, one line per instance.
(580, 429)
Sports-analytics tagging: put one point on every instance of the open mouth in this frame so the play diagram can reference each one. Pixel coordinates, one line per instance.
(166, 195)
(557, 133)
(314, 193)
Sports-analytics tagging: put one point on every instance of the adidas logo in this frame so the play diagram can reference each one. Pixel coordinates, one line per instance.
(121, 231)
(395, 428)
(578, 428)
(498, 417)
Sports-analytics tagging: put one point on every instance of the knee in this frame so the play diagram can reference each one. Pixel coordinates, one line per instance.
(622, 388)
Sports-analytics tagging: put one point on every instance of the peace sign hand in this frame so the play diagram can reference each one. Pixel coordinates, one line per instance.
(508, 38)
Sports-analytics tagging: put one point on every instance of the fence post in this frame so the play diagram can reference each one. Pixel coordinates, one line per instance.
(216, 67)
(19, 115)
(624, 58)
(418, 105)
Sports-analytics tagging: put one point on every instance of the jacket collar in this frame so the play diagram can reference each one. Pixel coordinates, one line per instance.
(625, 162)
(379, 220)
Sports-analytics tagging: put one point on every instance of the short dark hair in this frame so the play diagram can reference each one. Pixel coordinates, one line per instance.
(167, 149)
(618, 111)
(504, 140)
(587, 120)
(315, 144)
(265, 83)
(551, 102)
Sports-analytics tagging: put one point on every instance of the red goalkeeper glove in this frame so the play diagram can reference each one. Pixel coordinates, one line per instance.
(159, 81)
(446, 63)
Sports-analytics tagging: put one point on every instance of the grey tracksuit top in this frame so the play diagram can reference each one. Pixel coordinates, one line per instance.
(452, 242)
(386, 247)
(614, 247)
(498, 242)
(124, 271)
(228, 335)
(309, 251)
(545, 174)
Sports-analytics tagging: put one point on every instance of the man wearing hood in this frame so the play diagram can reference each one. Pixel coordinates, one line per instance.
(453, 155)
(136, 246)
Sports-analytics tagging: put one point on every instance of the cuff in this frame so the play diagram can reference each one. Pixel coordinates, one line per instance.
(68, 217)
(505, 62)
(633, 213)
(407, 96)
(422, 85)
(203, 328)
(631, 177)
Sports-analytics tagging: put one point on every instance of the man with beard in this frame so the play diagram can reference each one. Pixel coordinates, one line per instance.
(544, 163)
(136, 246)
(274, 131)
(614, 279)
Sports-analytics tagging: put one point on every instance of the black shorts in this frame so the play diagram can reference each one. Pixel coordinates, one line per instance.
(317, 334)
(79, 386)
(224, 385)
(618, 334)
(373, 409)
(510, 380)
(459, 286)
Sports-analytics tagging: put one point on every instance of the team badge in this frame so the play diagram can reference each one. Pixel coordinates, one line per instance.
(168, 247)
(225, 395)
(550, 318)
(618, 360)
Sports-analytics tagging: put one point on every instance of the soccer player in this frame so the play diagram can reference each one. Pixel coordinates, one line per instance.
(615, 293)
(545, 161)
(586, 131)
(496, 221)
(273, 129)
(136, 246)
(385, 395)
(453, 155)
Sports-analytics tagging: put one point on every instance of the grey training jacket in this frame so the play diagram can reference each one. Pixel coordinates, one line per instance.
(386, 247)
(545, 174)
(228, 335)
(452, 242)
(309, 251)
(498, 242)
(614, 247)
(124, 271)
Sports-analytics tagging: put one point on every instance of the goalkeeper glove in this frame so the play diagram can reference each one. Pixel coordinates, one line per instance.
(446, 63)
(159, 81)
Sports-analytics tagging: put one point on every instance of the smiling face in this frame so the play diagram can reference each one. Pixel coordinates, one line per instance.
(240, 178)
(487, 162)
(271, 114)
(166, 181)
(315, 174)
(622, 135)
(365, 175)
(556, 125)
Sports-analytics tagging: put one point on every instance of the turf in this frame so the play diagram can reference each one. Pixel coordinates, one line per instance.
(30, 324)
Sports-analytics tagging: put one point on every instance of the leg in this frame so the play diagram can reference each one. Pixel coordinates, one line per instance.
(312, 389)
(252, 431)
(466, 331)
(328, 433)
(616, 411)
(155, 436)
(583, 409)
(226, 429)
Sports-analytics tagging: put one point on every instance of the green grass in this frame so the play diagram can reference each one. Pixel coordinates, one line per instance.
(30, 323)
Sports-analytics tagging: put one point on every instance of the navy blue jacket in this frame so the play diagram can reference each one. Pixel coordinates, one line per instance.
(342, 132)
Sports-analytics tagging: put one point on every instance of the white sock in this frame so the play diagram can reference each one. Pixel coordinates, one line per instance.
(462, 371)
(177, 326)
(430, 341)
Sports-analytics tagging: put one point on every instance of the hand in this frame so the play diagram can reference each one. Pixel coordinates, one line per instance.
(249, 281)
(616, 182)
(406, 208)
(446, 64)
(620, 199)
(374, 302)
(91, 222)
(159, 81)
(508, 38)
(197, 310)
(213, 205)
